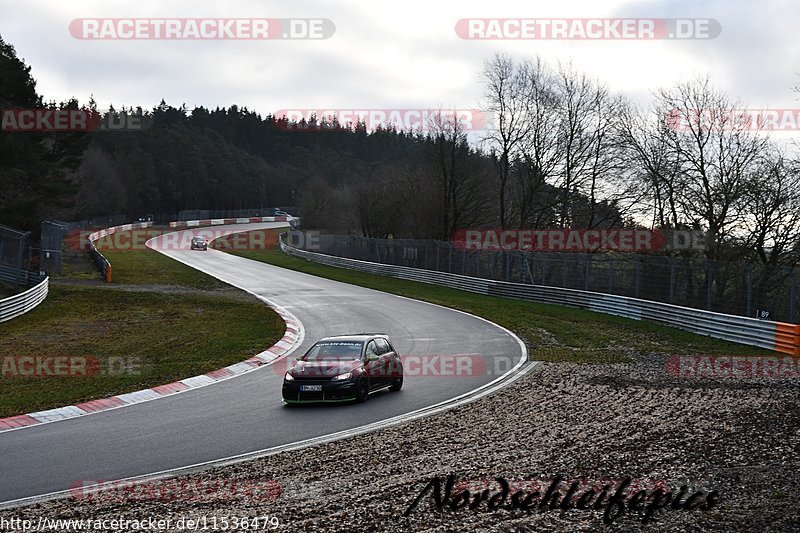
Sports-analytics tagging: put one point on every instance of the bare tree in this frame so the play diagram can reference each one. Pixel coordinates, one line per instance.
(540, 149)
(773, 211)
(326, 207)
(100, 188)
(578, 100)
(458, 179)
(656, 167)
(506, 85)
(716, 153)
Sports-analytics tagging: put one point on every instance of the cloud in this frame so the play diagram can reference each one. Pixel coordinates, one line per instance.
(386, 55)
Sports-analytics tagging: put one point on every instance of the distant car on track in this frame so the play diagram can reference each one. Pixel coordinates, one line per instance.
(199, 243)
(274, 212)
(344, 368)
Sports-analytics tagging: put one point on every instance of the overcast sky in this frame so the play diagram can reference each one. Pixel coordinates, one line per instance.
(390, 54)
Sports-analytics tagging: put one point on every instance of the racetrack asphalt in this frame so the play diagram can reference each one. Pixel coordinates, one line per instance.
(245, 414)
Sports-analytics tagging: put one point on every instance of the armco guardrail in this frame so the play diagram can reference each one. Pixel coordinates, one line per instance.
(105, 265)
(776, 336)
(19, 304)
(102, 263)
(11, 275)
(226, 221)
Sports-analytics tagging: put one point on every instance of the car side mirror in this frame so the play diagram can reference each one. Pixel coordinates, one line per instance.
(372, 357)
(298, 357)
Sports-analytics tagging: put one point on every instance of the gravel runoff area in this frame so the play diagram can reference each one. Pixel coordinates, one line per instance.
(740, 438)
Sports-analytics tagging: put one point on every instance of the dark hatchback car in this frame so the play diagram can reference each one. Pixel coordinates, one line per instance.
(344, 368)
(199, 243)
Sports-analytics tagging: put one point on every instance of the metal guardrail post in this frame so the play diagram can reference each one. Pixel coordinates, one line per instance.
(793, 297)
(749, 279)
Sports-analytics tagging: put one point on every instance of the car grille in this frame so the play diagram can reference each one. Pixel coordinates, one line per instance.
(311, 379)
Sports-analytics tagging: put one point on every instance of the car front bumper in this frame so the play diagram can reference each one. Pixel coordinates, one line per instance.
(332, 391)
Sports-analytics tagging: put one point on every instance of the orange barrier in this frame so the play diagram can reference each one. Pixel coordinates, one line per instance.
(787, 338)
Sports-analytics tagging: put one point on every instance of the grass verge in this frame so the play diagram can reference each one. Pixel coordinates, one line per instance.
(160, 321)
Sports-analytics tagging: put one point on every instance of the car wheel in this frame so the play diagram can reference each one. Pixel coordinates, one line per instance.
(397, 384)
(362, 390)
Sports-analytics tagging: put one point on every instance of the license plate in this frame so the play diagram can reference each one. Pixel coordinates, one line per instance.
(311, 388)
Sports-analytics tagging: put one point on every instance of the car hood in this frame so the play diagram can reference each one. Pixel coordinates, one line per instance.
(325, 369)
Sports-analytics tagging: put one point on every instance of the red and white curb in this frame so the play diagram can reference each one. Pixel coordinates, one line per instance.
(226, 221)
(292, 338)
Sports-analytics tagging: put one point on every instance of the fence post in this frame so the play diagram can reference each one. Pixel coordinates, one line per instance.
(30, 259)
(20, 255)
(793, 299)
(587, 266)
(708, 285)
(464, 264)
(671, 279)
(544, 270)
(749, 290)
(528, 267)
(611, 276)
(638, 280)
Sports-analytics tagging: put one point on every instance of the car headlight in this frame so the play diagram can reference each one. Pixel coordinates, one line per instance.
(288, 377)
(343, 377)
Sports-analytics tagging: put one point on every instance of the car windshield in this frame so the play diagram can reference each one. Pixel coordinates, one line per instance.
(334, 351)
